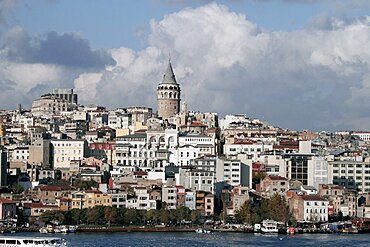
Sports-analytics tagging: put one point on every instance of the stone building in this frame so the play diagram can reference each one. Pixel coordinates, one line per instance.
(168, 95)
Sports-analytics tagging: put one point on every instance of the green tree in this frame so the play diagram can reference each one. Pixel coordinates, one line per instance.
(131, 216)
(85, 185)
(121, 215)
(195, 216)
(164, 216)
(247, 214)
(151, 216)
(279, 209)
(50, 216)
(76, 216)
(16, 188)
(110, 215)
(94, 215)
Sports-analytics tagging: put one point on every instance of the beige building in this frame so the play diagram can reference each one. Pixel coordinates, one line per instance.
(67, 150)
(39, 153)
(89, 199)
(48, 105)
(274, 184)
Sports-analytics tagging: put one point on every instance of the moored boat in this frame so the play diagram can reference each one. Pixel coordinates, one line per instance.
(11, 241)
(202, 230)
(269, 227)
(43, 230)
(72, 229)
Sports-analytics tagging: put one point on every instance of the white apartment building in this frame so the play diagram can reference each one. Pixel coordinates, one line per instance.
(169, 196)
(119, 120)
(19, 154)
(350, 174)
(233, 172)
(315, 208)
(66, 150)
(194, 146)
(197, 179)
(131, 150)
(142, 200)
(310, 169)
(253, 149)
(274, 163)
(190, 197)
(364, 135)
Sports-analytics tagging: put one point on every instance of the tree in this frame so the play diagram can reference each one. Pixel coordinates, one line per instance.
(130, 216)
(279, 210)
(151, 216)
(164, 216)
(85, 185)
(110, 214)
(247, 214)
(195, 216)
(181, 213)
(50, 216)
(94, 215)
(121, 215)
(76, 216)
(16, 188)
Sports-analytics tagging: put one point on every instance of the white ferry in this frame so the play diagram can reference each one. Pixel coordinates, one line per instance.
(269, 227)
(12, 241)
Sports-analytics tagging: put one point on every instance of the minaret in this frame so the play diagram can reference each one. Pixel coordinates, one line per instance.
(168, 94)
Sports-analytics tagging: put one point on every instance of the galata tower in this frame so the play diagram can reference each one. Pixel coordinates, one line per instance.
(168, 92)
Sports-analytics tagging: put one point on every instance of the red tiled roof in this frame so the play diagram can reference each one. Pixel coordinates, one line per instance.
(194, 124)
(312, 198)
(6, 201)
(39, 205)
(140, 173)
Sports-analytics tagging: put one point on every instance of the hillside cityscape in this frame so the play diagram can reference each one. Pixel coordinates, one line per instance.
(66, 163)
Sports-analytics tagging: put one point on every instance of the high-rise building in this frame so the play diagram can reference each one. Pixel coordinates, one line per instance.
(168, 95)
(3, 167)
(65, 94)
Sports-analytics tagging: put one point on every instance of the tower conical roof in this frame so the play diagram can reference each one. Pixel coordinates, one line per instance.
(169, 76)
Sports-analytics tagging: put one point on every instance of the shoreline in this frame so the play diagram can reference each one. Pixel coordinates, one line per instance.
(91, 229)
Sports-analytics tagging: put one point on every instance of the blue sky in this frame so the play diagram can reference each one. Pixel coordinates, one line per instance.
(299, 64)
(116, 23)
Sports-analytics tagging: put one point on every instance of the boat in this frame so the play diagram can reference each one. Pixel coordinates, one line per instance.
(202, 230)
(291, 230)
(50, 228)
(31, 241)
(269, 227)
(43, 230)
(63, 229)
(72, 229)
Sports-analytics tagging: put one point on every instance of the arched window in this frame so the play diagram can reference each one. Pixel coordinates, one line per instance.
(153, 139)
(161, 139)
(174, 95)
(170, 95)
(171, 140)
(165, 94)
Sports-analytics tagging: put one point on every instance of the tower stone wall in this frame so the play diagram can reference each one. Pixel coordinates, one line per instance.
(168, 95)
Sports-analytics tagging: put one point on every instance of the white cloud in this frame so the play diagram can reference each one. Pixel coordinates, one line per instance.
(227, 64)
(311, 78)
